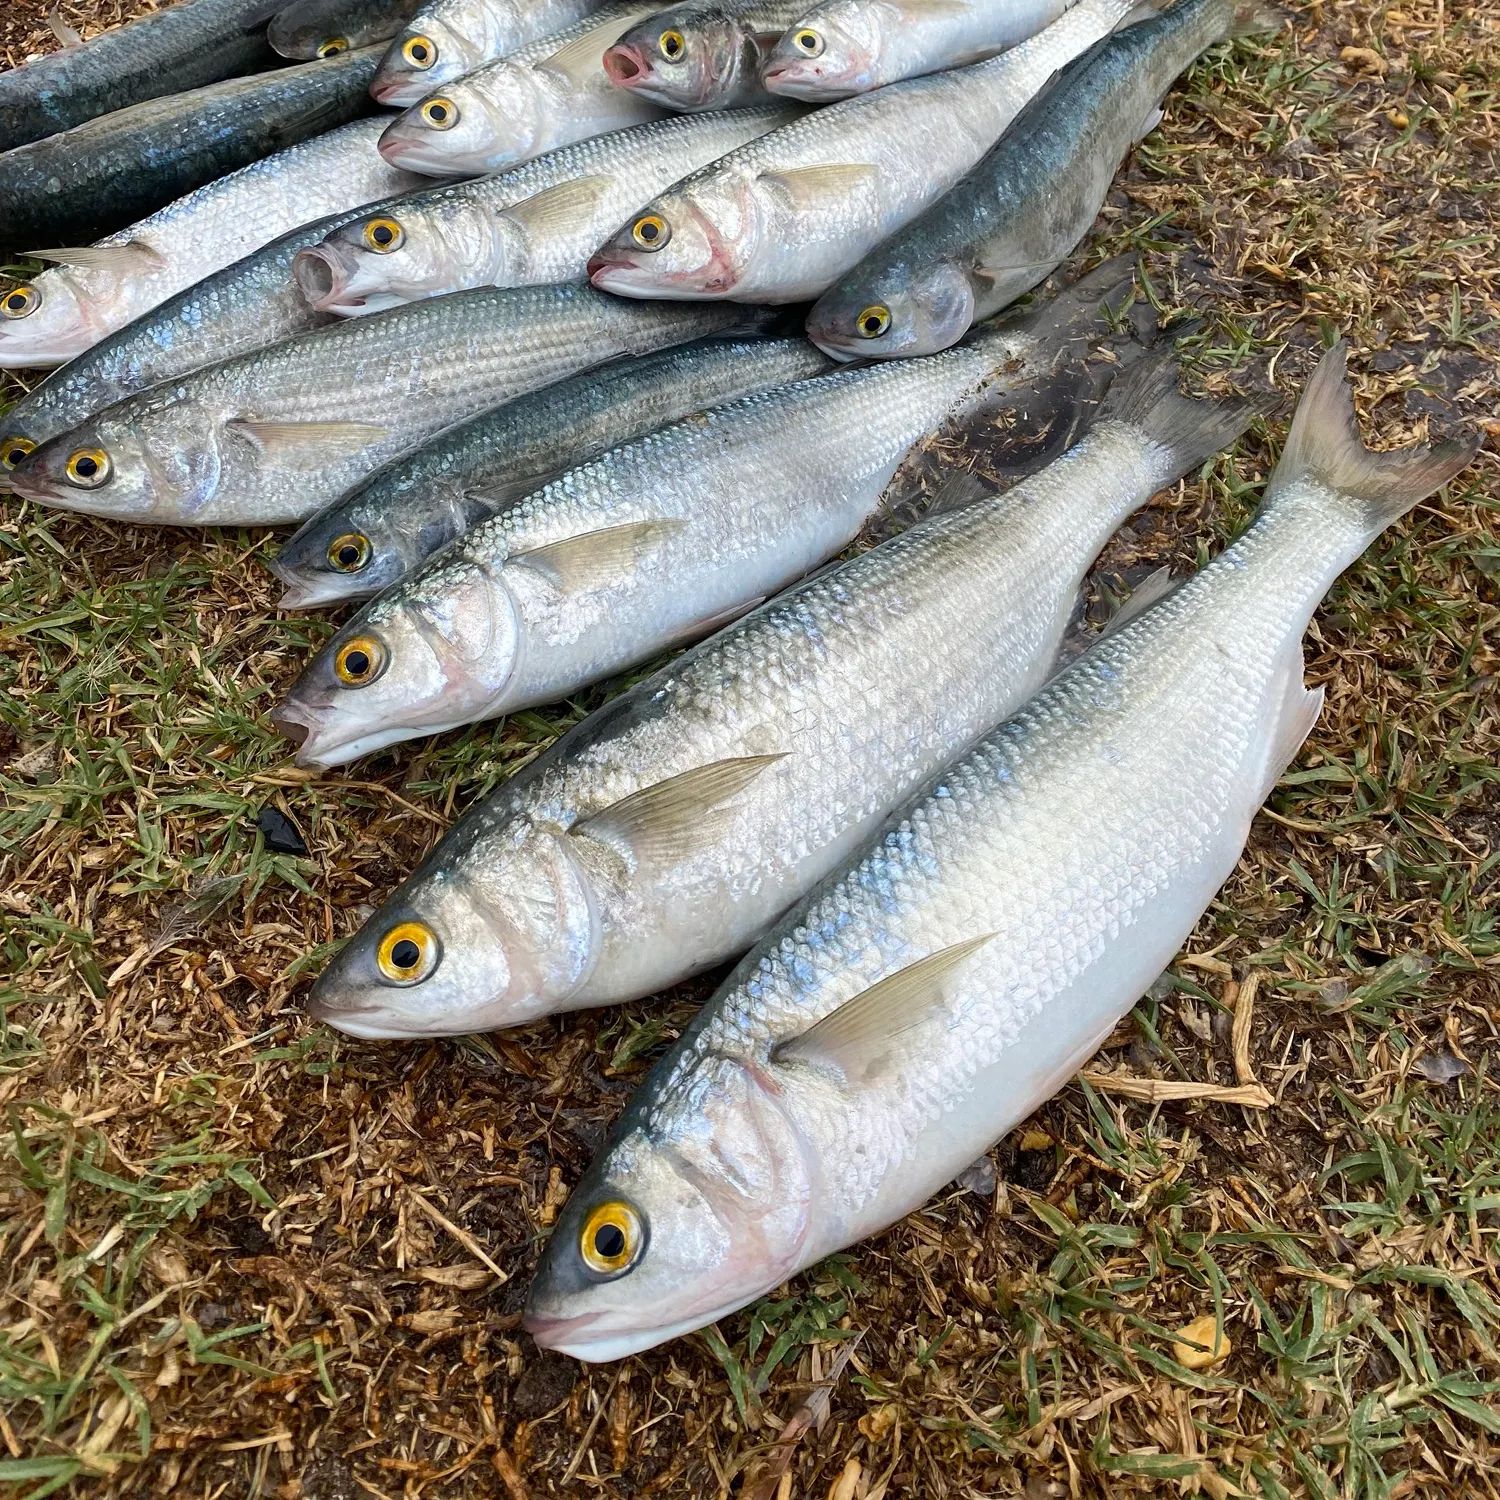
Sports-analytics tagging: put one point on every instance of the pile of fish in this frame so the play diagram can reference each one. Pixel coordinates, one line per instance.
(610, 342)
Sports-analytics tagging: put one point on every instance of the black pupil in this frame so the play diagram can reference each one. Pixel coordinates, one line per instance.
(673, 46)
(356, 664)
(16, 301)
(439, 114)
(383, 235)
(648, 231)
(419, 53)
(348, 554)
(405, 954)
(87, 468)
(609, 1241)
(872, 324)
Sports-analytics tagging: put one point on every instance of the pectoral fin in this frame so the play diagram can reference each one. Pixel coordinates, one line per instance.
(306, 443)
(596, 558)
(563, 209)
(666, 823)
(861, 1034)
(130, 259)
(809, 189)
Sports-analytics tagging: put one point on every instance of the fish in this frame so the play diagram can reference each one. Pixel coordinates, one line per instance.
(846, 47)
(664, 833)
(449, 38)
(322, 28)
(537, 223)
(703, 54)
(550, 93)
(779, 219)
(96, 289)
(971, 954)
(272, 436)
(82, 184)
(1022, 209)
(423, 500)
(178, 47)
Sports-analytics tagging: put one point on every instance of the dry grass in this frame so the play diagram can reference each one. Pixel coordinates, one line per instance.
(244, 1257)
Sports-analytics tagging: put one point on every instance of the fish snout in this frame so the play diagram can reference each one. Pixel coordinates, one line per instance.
(321, 276)
(625, 65)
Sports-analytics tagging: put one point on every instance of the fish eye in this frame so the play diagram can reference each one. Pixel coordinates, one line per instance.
(408, 953)
(612, 1239)
(650, 232)
(873, 321)
(350, 552)
(331, 46)
(359, 661)
(14, 449)
(672, 45)
(88, 468)
(384, 235)
(807, 42)
(20, 302)
(441, 114)
(419, 51)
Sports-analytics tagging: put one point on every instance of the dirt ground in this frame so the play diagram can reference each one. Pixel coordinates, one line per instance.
(245, 1257)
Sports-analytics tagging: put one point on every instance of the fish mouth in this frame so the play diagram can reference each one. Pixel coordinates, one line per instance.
(303, 592)
(589, 1337)
(321, 276)
(625, 66)
(17, 353)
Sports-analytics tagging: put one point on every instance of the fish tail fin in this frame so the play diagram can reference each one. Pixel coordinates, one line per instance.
(1188, 431)
(1324, 445)
(1254, 17)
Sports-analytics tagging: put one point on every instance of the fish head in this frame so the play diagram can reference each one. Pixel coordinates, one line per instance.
(309, 31)
(682, 58)
(430, 656)
(54, 318)
(428, 54)
(695, 1208)
(509, 940)
(688, 243)
(461, 130)
(830, 54)
(906, 310)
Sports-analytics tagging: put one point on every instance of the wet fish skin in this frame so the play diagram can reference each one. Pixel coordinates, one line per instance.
(537, 223)
(780, 219)
(127, 274)
(1027, 898)
(422, 501)
(1022, 209)
(274, 435)
(548, 94)
(454, 37)
(77, 186)
(846, 47)
(182, 47)
(321, 28)
(703, 54)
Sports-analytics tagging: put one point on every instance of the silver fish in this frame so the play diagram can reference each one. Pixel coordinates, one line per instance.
(543, 96)
(779, 219)
(974, 952)
(448, 38)
(96, 289)
(1011, 221)
(275, 435)
(324, 28)
(664, 833)
(846, 47)
(538, 223)
(420, 502)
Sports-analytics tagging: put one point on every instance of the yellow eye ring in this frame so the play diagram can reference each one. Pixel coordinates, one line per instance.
(650, 232)
(384, 235)
(331, 46)
(88, 468)
(440, 113)
(672, 45)
(359, 661)
(14, 449)
(408, 953)
(808, 42)
(873, 321)
(612, 1239)
(20, 302)
(350, 552)
(419, 52)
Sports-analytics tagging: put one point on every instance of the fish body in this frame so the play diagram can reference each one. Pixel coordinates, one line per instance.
(180, 47)
(537, 223)
(274, 435)
(323, 28)
(972, 955)
(704, 54)
(781, 218)
(542, 96)
(418, 503)
(449, 38)
(846, 47)
(1022, 209)
(99, 288)
(83, 183)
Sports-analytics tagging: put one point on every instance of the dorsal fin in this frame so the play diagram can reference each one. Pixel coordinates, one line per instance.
(595, 558)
